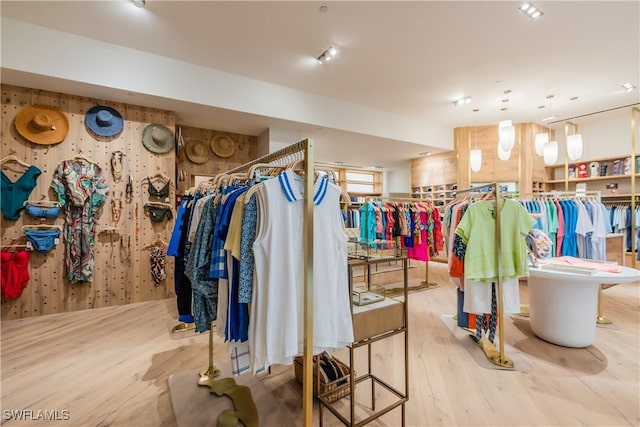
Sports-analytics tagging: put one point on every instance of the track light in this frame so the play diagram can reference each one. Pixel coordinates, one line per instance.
(628, 87)
(531, 11)
(328, 55)
(462, 101)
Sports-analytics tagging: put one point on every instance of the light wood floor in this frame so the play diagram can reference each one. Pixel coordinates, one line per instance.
(110, 367)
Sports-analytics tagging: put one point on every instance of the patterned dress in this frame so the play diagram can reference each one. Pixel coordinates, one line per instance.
(81, 189)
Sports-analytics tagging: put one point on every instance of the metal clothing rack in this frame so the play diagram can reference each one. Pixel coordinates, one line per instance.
(425, 284)
(302, 150)
(499, 359)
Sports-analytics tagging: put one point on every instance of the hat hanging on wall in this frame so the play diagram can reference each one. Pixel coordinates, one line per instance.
(222, 146)
(158, 138)
(103, 122)
(196, 151)
(42, 124)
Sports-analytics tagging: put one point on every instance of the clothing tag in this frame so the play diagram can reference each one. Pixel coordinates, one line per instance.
(56, 241)
(166, 200)
(29, 245)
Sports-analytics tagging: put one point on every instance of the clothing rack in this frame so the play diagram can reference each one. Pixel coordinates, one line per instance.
(302, 150)
(425, 284)
(499, 359)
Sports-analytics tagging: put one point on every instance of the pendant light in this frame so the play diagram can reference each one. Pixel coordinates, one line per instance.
(543, 137)
(503, 155)
(574, 142)
(475, 159)
(506, 130)
(550, 153)
(574, 146)
(475, 155)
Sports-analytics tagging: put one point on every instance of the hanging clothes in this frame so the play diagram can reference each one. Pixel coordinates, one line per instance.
(275, 328)
(477, 230)
(14, 266)
(81, 189)
(14, 193)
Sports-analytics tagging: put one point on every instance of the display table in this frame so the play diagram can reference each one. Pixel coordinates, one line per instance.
(563, 306)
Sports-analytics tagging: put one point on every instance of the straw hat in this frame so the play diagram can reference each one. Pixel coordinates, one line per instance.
(103, 122)
(222, 146)
(158, 138)
(197, 151)
(41, 124)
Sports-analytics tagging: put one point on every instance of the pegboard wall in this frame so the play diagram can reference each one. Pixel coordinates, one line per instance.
(116, 280)
(245, 150)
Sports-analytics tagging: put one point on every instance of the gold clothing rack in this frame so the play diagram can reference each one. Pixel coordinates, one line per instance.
(302, 150)
(497, 358)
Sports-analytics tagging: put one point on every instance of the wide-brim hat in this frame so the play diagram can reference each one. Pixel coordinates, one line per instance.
(222, 146)
(103, 122)
(42, 124)
(197, 151)
(158, 138)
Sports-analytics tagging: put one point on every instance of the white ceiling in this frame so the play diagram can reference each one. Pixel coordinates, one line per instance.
(411, 59)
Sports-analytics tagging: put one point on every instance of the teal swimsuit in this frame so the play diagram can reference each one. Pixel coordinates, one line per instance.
(14, 194)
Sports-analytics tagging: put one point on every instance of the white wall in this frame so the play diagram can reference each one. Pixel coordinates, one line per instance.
(603, 135)
(397, 180)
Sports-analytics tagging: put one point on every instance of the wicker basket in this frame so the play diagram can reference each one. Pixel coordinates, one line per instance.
(325, 387)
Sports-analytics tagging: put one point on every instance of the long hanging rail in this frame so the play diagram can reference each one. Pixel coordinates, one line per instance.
(499, 359)
(305, 148)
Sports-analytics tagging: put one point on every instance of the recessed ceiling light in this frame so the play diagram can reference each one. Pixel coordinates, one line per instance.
(139, 3)
(628, 87)
(548, 119)
(425, 153)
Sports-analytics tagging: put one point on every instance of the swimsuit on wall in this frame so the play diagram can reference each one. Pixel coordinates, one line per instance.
(42, 240)
(162, 193)
(14, 194)
(14, 268)
(157, 259)
(39, 212)
(157, 213)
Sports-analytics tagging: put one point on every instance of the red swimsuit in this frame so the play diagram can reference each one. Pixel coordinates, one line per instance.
(14, 267)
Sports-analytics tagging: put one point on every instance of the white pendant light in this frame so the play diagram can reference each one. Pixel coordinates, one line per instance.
(550, 153)
(506, 135)
(540, 140)
(503, 155)
(574, 146)
(475, 159)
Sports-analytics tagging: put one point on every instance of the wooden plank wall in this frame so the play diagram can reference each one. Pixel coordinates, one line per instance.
(245, 149)
(115, 281)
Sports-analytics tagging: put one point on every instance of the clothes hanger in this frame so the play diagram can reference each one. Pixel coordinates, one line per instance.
(82, 157)
(42, 203)
(14, 159)
(159, 204)
(41, 227)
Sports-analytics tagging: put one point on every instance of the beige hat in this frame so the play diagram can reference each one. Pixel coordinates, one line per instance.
(42, 124)
(222, 146)
(158, 138)
(196, 151)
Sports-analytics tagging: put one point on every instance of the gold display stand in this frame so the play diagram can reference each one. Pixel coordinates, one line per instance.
(373, 323)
